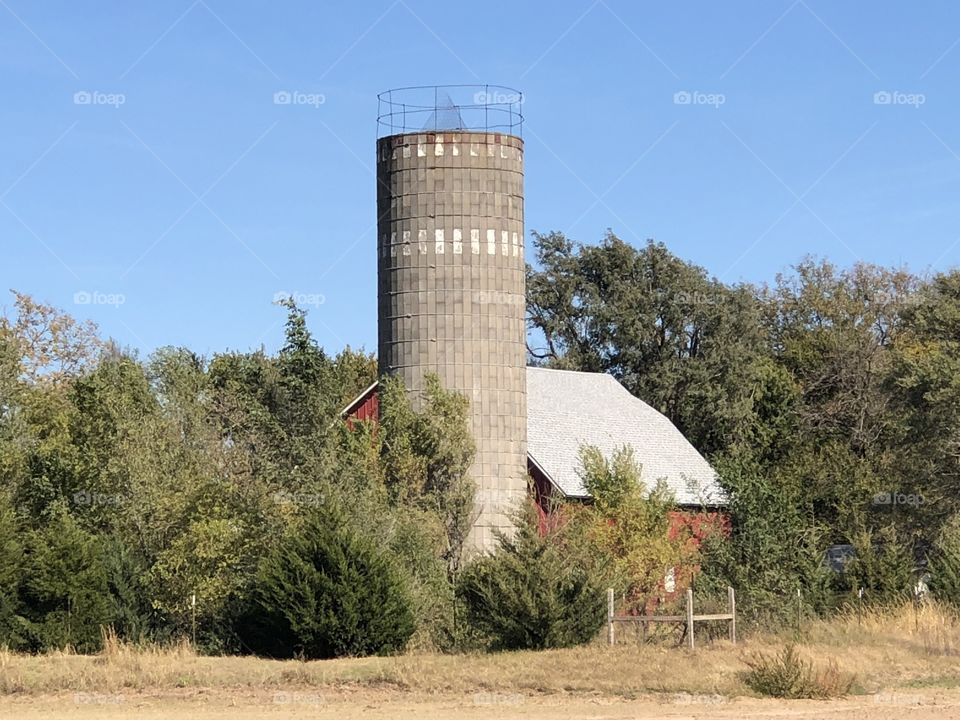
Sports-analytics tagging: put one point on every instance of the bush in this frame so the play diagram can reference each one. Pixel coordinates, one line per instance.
(944, 564)
(529, 595)
(327, 592)
(787, 675)
(65, 594)
(11, 573)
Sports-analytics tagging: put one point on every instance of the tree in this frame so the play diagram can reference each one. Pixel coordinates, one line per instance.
(327, 592)
(52, 346)
(627, 525)
(529, 595)
(944, 564)
(426, 457)
(776, 544)
(679, 340)
(11, 576)
(64, 593)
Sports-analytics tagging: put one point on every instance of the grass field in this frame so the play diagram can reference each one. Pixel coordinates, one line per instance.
(902, 661)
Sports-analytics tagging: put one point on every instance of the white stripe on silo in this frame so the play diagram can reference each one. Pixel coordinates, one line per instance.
(456, 149)
(439, 239)
(421, 149)
(438, 148)
(422, 239)
(406, 242)
(516, 245)
(491, 242)
(457, 242)
(504, 243)
(406, 151)
(475, 242)
(393, 244)
(474, 149)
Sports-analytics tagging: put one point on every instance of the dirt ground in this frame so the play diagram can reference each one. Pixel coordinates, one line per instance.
(247, 704)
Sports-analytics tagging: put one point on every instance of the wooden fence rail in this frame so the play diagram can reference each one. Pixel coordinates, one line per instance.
(688, 619)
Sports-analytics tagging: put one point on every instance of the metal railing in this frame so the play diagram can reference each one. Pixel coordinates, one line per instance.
(445, 108)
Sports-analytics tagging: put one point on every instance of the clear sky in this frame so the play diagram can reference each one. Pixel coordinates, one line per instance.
(148, 180)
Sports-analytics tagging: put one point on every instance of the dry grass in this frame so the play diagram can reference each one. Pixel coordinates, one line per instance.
(787, 675)
(883, 650)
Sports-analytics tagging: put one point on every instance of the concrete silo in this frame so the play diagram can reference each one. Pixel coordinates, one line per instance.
(451, 295)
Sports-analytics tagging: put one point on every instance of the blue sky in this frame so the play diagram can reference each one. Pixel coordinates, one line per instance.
(149, 182)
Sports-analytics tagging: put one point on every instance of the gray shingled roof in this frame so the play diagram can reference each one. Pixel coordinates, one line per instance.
(567, 409)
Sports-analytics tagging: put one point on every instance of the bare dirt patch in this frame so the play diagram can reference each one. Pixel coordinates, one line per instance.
(302, 702)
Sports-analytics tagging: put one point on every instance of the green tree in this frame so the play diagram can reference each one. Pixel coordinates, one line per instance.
(11, 576)
(679, 340)
(327, 592)
(65, 594)
(426, 458)
(627, 526)
(530, 595)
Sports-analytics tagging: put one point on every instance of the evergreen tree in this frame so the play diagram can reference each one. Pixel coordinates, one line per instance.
(529, 595)
(11, 576)
(65, 593)
(327, 592)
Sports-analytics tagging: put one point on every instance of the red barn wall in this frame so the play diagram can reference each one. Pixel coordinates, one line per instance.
(365, 408)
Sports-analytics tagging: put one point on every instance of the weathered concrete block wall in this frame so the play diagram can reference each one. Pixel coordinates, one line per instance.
(451, 292)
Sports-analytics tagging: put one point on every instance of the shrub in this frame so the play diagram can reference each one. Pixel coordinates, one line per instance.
(65, 594)
(787, 675)
(529, 595)
(944, 564)
(11, 573)
(327, 592)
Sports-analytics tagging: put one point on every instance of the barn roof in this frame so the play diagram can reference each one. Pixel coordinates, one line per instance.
(567, 409)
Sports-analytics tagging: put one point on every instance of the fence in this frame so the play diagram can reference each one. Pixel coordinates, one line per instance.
(688, 619)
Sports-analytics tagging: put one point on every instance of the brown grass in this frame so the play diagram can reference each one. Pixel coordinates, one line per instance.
(884, 650)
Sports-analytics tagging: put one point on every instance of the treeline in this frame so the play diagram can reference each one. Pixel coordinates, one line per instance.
(220, 500)
(223, 500)
(829, 401)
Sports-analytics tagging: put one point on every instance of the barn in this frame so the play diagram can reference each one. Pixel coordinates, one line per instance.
(568, 409)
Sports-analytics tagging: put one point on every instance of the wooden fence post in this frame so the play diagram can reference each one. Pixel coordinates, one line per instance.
(732, 597)
(610, 637)
(690, 642)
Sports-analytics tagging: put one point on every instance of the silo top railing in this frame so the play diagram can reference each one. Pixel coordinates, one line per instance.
(436, 108)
